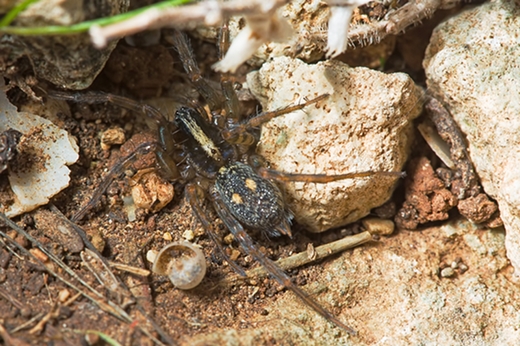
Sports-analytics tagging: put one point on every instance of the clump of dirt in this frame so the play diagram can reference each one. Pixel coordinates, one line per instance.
(427, 198)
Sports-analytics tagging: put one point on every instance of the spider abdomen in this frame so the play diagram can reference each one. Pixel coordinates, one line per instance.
(255, 202)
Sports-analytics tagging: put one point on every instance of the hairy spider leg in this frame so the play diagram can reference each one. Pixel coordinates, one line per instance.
(267, 173)
(192, 195)
(181, 44)
(231, 104)
(238, 133)
(117, 170)
(276, 272)
(168, 146)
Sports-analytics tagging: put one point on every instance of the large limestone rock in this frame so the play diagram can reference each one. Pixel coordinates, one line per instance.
(365, 124)
(473, 67)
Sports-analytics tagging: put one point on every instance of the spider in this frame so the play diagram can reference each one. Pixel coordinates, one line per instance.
(220, 166)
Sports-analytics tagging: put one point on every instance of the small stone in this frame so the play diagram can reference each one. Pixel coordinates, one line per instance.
(26, 312)
(98, 241)
(91, 339)
(229, 239)
(151, 255)
(447, 272)
(112, 136)
(188, 235)
(463, 268)
(167, 236)
(152, 192)
(378, 226)
(63, 295)
(234, 255)
(39, 255)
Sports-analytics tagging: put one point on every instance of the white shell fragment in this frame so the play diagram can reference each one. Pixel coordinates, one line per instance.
(182, 262)
(436, 143)
(363, 125)
(45, 150)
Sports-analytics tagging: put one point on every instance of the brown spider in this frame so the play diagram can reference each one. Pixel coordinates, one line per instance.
(219, 158)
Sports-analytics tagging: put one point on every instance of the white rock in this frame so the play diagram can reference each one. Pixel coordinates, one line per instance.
(47, 149)
(473, 66)
(364, 125)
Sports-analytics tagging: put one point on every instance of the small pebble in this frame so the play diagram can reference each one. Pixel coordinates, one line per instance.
(447, 272)
(167, 236)
(463, 268)
(378, 226)
(112, 136)
(188, 235)
(98, 241)
(26, 312)
(91, 339)
(229, 239)
(151, 255)
(39, 255)
(3, 275)
(63, 295)
(234, 255)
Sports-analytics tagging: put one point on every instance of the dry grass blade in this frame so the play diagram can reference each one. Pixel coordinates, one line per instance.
(102, 272)
(10, 340)
(98, 298)
(129, 269)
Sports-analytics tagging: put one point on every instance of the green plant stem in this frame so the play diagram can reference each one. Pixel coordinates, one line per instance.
(79, 27)
(11, 15)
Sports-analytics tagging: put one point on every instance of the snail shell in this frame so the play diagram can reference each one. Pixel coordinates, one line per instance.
(183, 263)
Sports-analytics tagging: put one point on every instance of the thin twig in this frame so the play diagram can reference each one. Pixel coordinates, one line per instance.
(26, 324)
(127, 292)
(304, 257)
(103, 303)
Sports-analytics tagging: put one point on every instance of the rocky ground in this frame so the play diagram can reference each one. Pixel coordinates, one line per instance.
(444, 280)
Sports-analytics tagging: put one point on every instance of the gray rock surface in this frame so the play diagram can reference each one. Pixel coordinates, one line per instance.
(473, 67)
(363, 125)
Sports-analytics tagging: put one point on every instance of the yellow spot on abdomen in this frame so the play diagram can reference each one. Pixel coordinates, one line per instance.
(250, 183)
(236, 198)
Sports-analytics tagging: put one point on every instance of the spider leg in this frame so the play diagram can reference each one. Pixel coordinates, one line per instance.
(117, 170)
(164, 156)
(194, 200)
(276, 272)
(231, 104)
(257, 163)
(235, 133)
(179, 40)
(322, 178)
